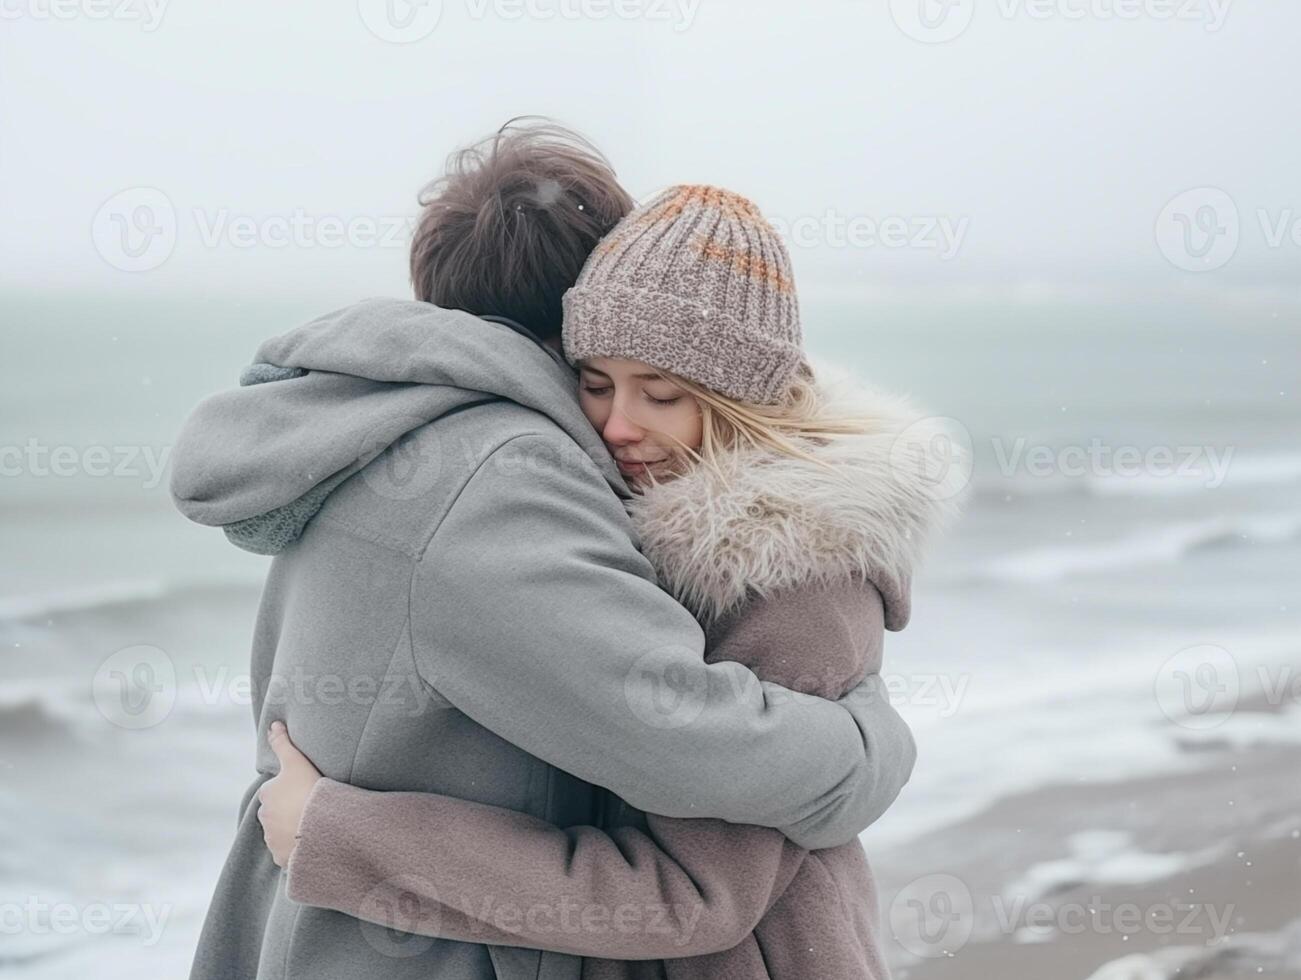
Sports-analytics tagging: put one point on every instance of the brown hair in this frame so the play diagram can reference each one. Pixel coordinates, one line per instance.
(509, 225)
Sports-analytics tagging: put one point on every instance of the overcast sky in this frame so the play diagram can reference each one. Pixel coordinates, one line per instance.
(1008, 141)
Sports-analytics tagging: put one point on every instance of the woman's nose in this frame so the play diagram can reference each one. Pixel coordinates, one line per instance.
(621, 430)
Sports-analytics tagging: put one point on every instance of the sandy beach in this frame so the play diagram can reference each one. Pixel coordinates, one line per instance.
(1196, 874)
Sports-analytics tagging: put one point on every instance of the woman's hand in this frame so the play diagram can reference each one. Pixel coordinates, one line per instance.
(283, 798)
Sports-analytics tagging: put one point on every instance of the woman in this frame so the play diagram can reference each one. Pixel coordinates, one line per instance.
(785, 517)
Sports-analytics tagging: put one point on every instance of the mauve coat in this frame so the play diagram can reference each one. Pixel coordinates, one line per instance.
(796, 569)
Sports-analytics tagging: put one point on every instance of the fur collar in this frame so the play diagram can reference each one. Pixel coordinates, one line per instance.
(767, 521)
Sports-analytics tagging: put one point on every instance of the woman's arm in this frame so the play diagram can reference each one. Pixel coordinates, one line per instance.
(446, 867)
(440, 866)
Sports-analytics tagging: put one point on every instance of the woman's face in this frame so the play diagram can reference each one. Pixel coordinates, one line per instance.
(643, 419)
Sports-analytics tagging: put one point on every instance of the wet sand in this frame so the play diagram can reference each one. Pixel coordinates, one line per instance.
(1190, 874)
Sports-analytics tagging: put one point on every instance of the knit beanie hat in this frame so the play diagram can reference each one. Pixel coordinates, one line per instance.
(697, 283)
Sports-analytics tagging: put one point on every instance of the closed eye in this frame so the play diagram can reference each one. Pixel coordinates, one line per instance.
(598, 391)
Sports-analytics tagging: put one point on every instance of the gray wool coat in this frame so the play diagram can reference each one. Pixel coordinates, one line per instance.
(457, 605)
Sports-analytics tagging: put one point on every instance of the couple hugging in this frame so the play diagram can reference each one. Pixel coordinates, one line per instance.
(580, 584)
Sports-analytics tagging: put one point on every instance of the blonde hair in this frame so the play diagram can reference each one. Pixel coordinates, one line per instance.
(800, 418)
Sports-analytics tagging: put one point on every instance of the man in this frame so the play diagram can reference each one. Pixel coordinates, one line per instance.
(457, 604)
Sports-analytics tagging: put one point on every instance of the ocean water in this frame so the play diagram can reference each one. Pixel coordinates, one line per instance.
(1052, 628)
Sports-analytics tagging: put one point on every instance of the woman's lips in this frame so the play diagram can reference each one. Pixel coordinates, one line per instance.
(637, 465)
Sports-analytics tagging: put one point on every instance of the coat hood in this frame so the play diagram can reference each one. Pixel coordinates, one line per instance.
(323, 400)
(763, 521)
